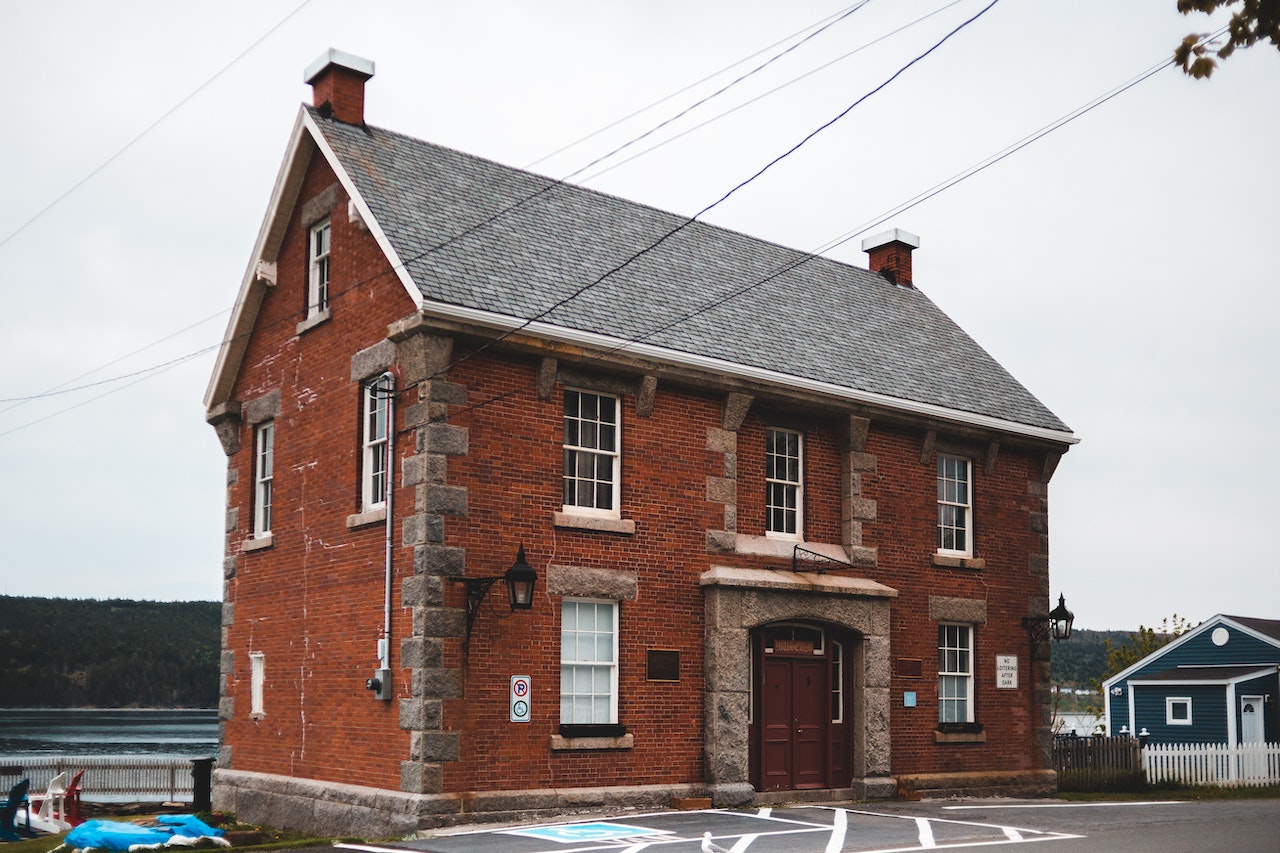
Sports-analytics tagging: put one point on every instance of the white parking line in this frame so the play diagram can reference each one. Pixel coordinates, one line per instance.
(839, 825)
(924, 832)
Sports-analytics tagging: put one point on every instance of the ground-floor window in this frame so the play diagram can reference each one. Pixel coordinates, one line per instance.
(955, 673)
(588, 662)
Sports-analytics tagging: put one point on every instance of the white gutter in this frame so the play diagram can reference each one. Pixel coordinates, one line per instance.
(715, 365)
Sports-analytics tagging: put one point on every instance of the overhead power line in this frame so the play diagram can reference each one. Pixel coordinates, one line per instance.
(132, 142)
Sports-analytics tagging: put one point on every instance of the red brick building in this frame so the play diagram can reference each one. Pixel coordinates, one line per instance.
(786, 518)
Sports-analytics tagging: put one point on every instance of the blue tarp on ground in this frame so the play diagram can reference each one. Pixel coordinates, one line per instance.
(113, 835)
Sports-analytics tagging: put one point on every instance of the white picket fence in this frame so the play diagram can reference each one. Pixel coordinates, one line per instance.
(1247, 764)
(109, 778)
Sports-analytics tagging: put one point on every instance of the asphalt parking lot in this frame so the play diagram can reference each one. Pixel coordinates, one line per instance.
(789, 830)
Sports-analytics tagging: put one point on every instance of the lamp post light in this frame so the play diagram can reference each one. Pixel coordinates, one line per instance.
(520, 579)
(1057, 624)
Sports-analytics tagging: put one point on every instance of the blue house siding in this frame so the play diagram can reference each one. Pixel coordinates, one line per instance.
(1208, 713)
(1243, 643)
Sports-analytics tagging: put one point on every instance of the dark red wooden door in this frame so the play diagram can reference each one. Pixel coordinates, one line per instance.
(794, 723)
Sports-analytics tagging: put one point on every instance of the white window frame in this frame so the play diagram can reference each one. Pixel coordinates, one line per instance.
(375, 429)
(263, 476)
(955, 673)
(784, 484)
(584, 656)
(587, 446)
(257, 681)
(955, 498)
(319, 243)
(1169, 703)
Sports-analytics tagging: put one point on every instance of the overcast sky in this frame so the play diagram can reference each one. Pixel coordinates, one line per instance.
(1122, 267)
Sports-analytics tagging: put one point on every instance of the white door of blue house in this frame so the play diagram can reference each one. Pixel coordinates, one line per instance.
(1251, 719)
(1253, 762)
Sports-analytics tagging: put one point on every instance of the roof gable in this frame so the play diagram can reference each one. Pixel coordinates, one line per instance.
(1244, 645)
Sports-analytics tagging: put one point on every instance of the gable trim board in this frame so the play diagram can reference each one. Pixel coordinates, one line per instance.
(308, 136)
(1206, 626)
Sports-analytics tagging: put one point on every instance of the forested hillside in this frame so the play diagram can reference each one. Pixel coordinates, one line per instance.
(60, 653)
(1083, 658)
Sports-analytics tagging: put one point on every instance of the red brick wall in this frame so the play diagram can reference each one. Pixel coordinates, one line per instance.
(313, 601)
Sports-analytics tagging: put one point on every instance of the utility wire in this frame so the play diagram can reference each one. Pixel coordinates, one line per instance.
(689, 221)
(78, 184)
(769, 93)
(60, 389)
(805, 258)
(715, 94)
(563, 148)
(639, 254)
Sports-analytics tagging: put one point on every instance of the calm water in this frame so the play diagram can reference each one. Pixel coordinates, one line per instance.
(81, 732)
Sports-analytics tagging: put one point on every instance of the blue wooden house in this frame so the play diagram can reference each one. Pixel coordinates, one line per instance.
(1217, 683)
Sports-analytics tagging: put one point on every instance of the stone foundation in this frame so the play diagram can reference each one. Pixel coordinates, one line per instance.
(982, 783)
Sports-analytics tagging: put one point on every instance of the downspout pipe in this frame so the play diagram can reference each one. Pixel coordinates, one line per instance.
(384, 657)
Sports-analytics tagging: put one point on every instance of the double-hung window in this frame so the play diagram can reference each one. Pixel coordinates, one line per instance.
(376, 407)
(955, 673)
(784, 486)
(955, 505)
(592, 447)
(263, 466)
(588, 662)
(318, 269)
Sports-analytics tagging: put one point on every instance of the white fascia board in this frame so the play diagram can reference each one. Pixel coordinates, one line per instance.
(291, 169)
(713, 365)
(1206, 625)
(231, 343)
(375, 228)
(1211, 682)
(1245, 629)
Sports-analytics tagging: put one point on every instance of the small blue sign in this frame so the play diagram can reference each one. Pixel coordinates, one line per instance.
(909, 699)
(576, 833)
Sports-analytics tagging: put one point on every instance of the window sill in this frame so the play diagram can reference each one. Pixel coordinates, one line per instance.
(957, 561)
(560, 743)
(257, 543)
(361, 519)
(959, 733)
(257, 715)
(313, 321)
(624, 526)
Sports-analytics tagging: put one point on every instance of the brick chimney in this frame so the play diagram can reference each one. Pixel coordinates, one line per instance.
(337, 85)
(890, 254)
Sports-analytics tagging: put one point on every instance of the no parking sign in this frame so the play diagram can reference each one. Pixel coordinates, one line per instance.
(520, 697)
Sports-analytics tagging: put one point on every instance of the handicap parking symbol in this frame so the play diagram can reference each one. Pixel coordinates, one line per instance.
(576, 833)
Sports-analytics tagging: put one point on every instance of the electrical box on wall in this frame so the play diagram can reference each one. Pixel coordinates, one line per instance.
(380, 684)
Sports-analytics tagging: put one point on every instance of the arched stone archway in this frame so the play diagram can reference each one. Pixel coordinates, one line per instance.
(737, 601)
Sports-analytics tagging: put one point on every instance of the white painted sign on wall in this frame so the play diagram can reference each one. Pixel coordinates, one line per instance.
(1007, 672)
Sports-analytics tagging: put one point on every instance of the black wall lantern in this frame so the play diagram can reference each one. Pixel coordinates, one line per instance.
(1057, 624)
(521, 579)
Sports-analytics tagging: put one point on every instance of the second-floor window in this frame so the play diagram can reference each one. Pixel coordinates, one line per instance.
(263, 476)
(784, 487)
(955, 505)
(375, 426)
(592, 468)
(318, 265)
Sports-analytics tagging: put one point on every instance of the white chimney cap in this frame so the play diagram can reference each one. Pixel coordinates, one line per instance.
(333, 56)
(897, 235)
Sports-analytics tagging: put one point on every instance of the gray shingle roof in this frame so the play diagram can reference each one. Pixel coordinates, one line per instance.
(481, 235)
